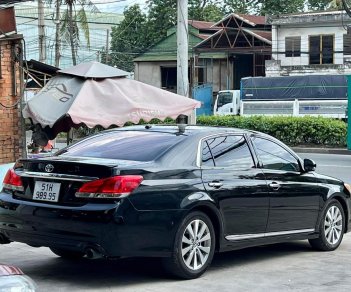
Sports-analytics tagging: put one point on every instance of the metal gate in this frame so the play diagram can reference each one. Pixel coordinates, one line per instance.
(204, 94)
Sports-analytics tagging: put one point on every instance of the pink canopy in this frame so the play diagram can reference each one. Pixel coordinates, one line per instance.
(120, 100)
(70, 99)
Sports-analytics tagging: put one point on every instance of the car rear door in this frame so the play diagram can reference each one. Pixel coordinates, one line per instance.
(294, 195)
(238, 187)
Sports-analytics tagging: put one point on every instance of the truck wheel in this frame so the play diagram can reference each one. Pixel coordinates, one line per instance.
(193, 248)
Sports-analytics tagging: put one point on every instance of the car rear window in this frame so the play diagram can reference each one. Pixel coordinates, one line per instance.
(124, 145)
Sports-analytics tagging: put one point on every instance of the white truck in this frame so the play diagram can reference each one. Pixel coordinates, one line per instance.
(313, 95)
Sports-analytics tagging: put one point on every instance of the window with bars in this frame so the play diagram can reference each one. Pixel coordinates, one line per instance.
(293, 46)
(347, 44)
(321, 49)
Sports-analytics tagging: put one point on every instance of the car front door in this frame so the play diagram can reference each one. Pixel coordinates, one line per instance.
(294, 195)
(238, 187)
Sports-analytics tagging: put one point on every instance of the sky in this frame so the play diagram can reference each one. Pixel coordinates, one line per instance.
(116, 6)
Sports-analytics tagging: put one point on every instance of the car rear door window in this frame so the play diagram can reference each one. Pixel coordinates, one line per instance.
(228, 151)
(273, 156)
(207, 158)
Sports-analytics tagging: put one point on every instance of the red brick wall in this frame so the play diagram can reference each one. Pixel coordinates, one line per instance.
(10, 116)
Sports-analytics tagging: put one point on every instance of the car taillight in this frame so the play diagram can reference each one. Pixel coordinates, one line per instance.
(112, 187)
(12, 181)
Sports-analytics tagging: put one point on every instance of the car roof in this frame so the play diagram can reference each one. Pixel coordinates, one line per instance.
(188, 130)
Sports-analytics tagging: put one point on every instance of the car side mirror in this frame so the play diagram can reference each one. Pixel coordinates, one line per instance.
(309, 165)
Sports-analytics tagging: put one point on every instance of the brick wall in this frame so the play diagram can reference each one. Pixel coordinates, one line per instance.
(10, 116)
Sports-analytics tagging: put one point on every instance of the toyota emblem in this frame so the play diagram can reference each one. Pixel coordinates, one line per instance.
(49, 168)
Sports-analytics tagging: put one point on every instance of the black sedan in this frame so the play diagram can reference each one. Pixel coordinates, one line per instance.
(180, 193)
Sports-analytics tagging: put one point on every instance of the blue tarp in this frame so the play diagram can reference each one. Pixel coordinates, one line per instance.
(309, 87)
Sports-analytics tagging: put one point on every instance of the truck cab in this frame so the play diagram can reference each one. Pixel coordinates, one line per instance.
(227, 103)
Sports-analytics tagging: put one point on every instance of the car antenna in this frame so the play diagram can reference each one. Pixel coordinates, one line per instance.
(181, 128)
(147, 127)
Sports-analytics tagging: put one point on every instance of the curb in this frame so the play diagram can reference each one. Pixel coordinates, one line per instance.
(340, 151)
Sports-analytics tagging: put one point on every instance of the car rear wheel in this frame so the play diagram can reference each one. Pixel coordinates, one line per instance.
(331, 228)
(67, 254)
(193, 248)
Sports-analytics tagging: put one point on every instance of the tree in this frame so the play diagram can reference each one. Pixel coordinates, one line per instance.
(325, 4)
(206, 10)
(318, 4)
(70, 20)
(276, 7)
(162, 15)
(238, 6)
(131, 37)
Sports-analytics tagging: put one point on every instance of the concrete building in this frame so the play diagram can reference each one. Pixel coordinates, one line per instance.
(11, 134)
(158, 65)
(220, 54)
(310, 43)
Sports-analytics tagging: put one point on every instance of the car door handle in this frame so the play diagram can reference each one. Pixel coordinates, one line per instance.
(215, 184)
(275, 186)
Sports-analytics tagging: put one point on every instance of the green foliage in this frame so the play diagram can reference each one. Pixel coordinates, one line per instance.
(308, 131)
(318, 4)
(291, 130)
(205, 10)
(238, 6)
(129, 38)
(276, 7)
(162, 15)
(70, 19)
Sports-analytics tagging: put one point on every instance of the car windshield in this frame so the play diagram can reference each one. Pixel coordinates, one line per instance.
(124, 145)
(224, 98)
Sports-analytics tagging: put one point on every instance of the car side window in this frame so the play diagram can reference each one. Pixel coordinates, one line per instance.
(273, 156)
(230, 151)
(207, 158)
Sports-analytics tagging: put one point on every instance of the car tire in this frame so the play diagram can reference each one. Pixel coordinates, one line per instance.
(331, 228)
(67, 254)
(193, 248)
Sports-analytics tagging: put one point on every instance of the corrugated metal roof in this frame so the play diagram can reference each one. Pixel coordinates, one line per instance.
(264, 34)
(252, 20)
(256, 19)
(166, 49)
(201, 24)
(203, 36)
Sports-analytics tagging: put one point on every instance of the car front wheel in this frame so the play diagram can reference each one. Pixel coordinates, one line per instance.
(193, 248)
(331, 228)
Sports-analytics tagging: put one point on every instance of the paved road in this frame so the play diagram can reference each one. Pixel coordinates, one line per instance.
(338, 166)
(291, 266)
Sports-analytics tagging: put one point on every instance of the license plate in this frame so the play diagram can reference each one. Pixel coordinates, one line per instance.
(46, 191)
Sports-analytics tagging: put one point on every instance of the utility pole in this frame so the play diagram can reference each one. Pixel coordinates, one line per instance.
(41, 30)
(107, 45)
(57, 34)
(182, 51)
(349, 112)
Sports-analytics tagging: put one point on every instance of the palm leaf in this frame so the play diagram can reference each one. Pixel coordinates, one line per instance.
(83, 23)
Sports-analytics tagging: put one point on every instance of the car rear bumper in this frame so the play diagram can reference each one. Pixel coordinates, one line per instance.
(115, 229)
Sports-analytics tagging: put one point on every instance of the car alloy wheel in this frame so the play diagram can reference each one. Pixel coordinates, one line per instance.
(196, 244)
(333, 225)
(193, 248)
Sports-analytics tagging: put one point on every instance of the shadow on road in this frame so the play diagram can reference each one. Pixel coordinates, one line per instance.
(102, 274)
